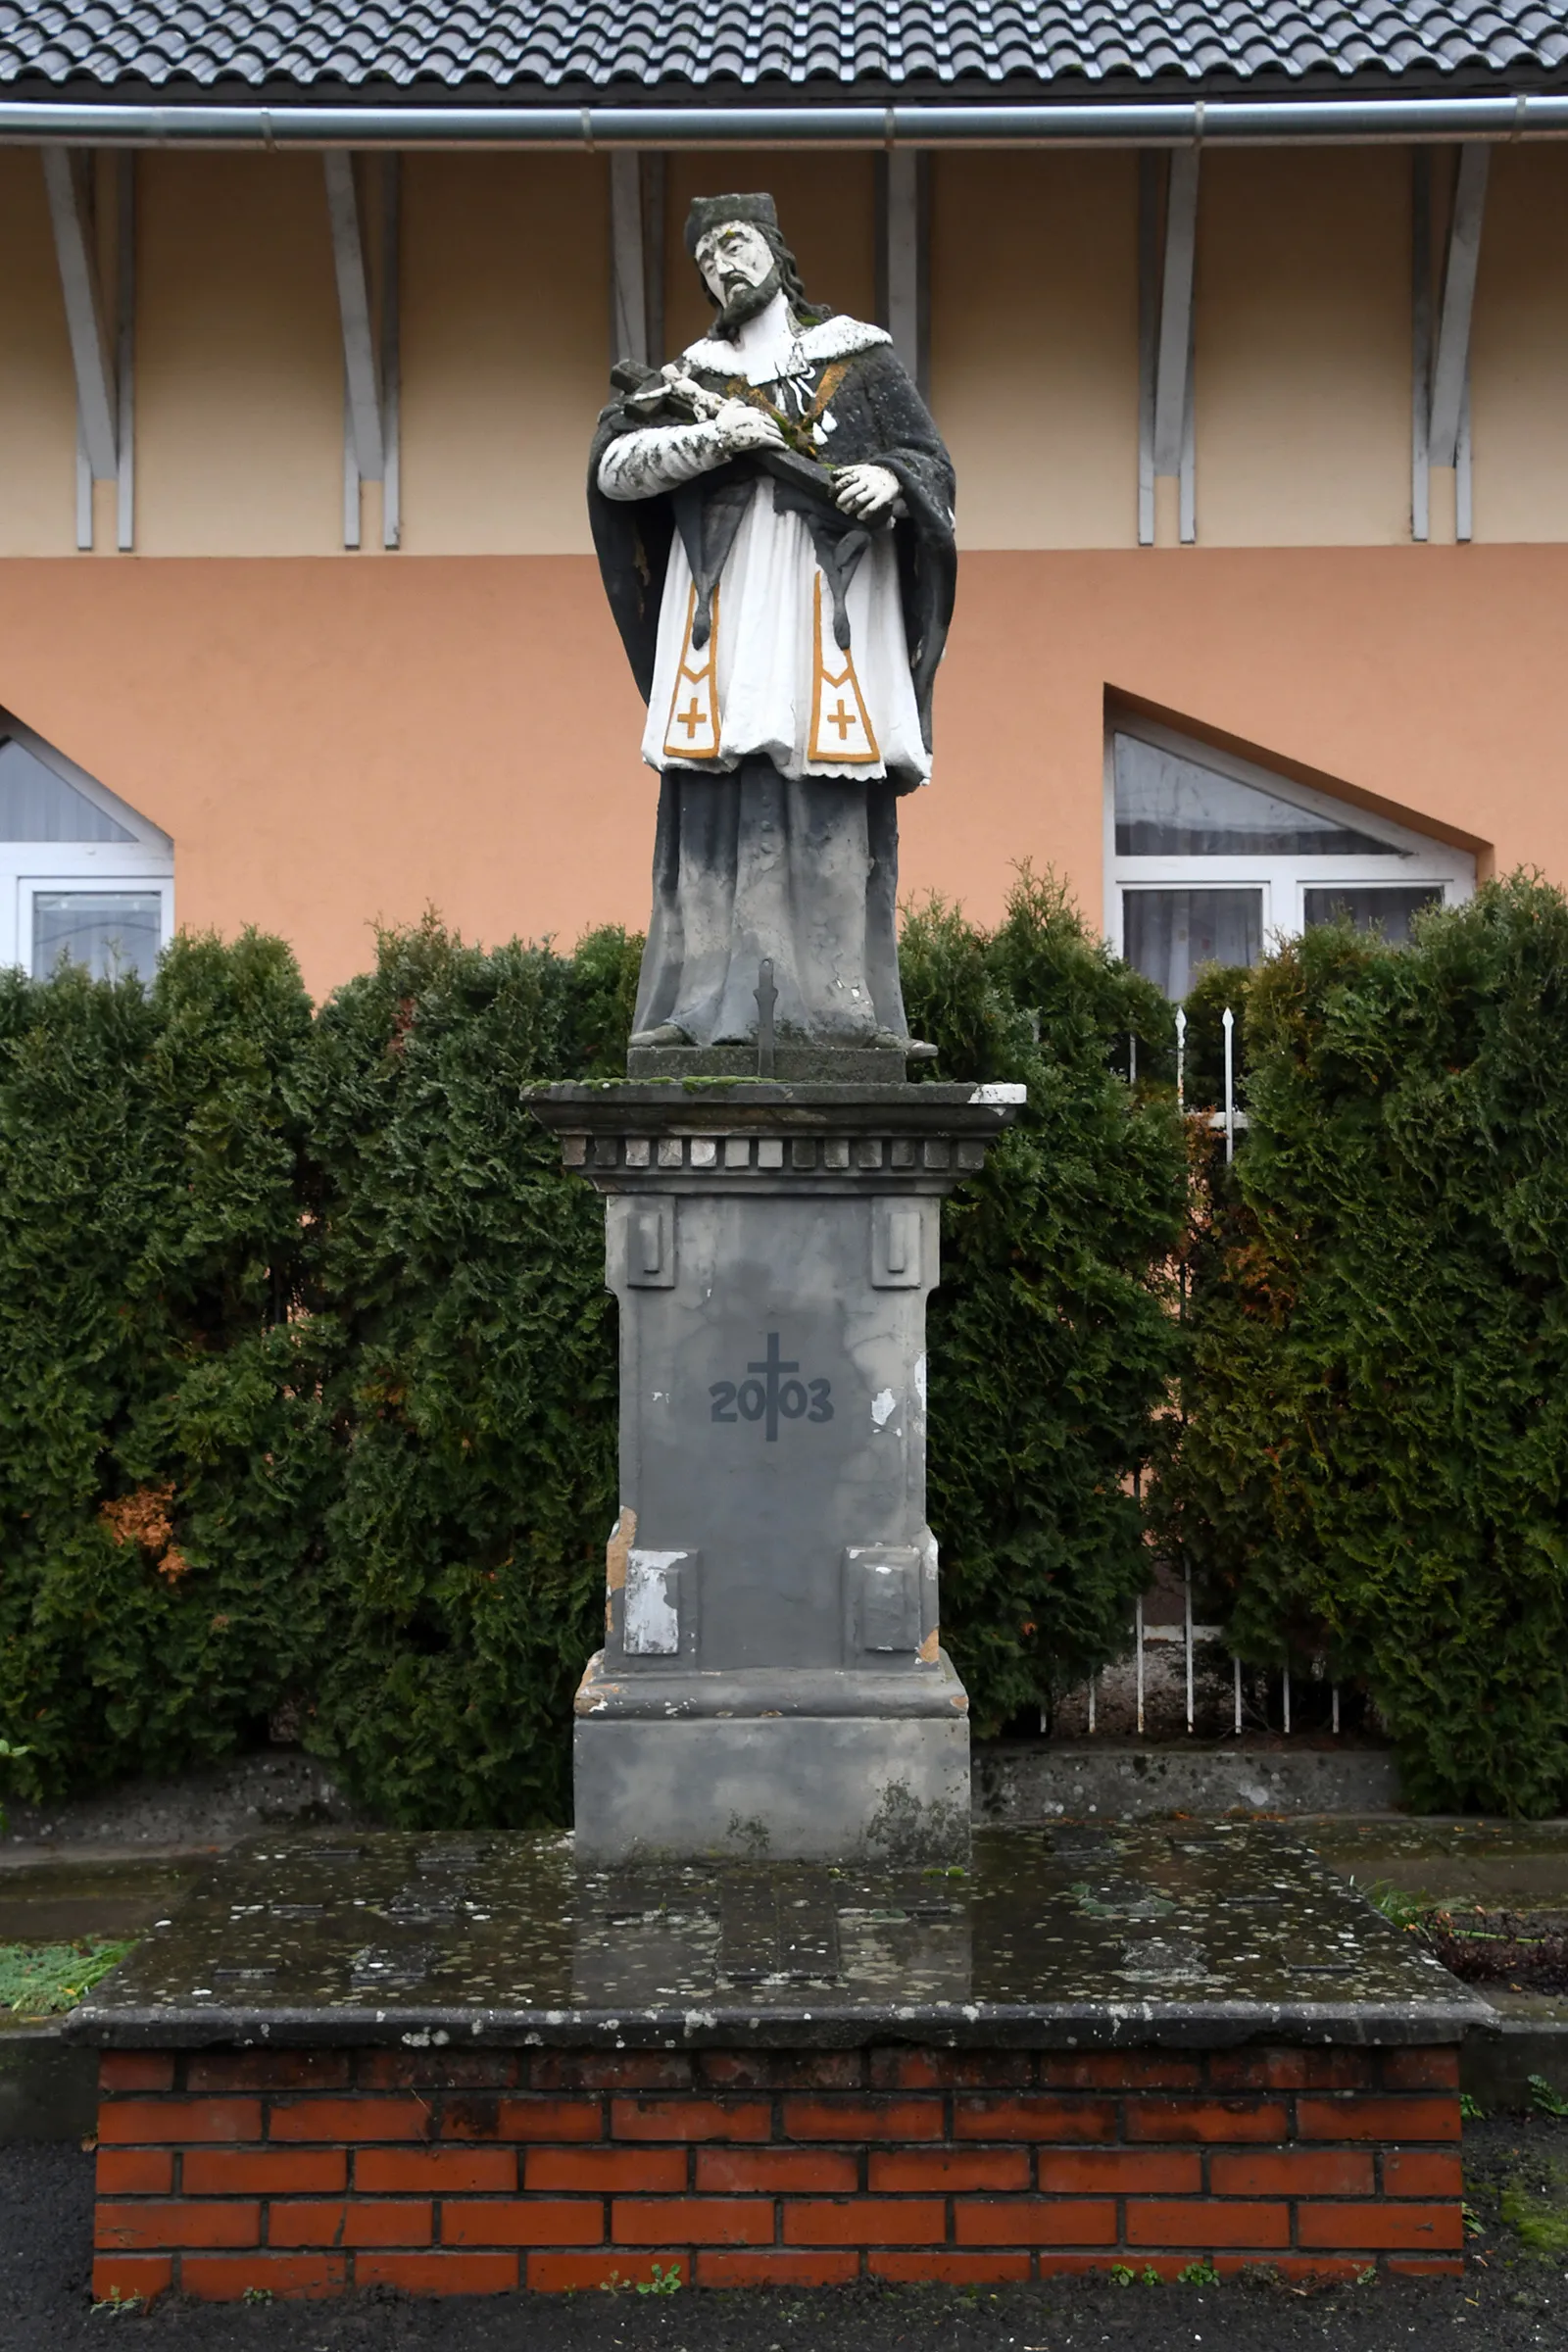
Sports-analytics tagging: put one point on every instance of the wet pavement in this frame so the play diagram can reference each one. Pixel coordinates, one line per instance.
(56, 1901)
(1501, 1865)
(110, 1885)
(1169, 1933)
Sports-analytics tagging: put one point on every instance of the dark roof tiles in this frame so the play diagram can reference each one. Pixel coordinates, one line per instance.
(1079, 44)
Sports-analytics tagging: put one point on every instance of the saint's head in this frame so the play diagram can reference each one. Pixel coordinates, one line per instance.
(743, 260)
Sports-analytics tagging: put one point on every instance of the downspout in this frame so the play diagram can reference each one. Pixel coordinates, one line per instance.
(1263, 122)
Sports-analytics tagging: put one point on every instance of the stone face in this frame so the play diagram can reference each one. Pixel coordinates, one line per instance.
(772, 1247)
(772, 1432)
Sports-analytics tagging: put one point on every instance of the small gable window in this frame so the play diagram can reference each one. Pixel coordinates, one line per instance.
(1210, 858)
(83, 878)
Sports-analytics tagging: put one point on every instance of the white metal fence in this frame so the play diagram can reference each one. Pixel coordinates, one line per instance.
(1175, 1672)
(1141, 1680)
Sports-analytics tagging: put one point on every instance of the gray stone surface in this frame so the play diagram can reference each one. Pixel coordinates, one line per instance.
(203, 1808)
(772, 1431)
(1114, 1779)
(840, 1065)
(1526, 2034)
(1076, 1936)
(875, 1781)
(771, 1248)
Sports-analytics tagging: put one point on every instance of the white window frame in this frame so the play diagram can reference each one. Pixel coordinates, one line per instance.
(145, 864)
(1421, 862)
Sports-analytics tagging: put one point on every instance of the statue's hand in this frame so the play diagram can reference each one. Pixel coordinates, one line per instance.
(745, 427)
(866, 491)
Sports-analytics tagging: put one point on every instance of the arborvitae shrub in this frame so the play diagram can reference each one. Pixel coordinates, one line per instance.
(1053, 1342)
(475, 1389)
(164, 1465)
(1375, 1460)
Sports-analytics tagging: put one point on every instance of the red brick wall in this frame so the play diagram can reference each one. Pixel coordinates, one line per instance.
(308, 2172)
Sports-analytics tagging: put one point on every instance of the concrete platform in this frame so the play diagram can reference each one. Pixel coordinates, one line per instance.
(458, 2064)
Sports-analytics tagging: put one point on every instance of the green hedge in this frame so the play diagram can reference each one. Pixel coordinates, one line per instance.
(1375, 1461)
(475, 1390)
(165, 1457)
(306, 1370)
(1053, 1341)
(307, 1377)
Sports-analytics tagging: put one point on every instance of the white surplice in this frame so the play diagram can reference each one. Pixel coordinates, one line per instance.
(771, 682)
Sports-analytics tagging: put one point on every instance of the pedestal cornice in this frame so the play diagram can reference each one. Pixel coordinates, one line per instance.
(757, 1136)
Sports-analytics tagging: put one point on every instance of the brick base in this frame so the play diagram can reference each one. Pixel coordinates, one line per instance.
(309, 2172)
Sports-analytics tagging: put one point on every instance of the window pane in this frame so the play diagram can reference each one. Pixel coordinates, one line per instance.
(36, 804)
(1169, 933)
(111, 932)
(1387, 913)
(1168, 807)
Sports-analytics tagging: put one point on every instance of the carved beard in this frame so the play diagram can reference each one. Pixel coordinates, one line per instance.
(747, 301)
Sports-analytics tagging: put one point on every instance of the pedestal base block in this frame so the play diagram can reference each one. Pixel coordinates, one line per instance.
(797, 1788)
(781, 1765)
(771, 1685)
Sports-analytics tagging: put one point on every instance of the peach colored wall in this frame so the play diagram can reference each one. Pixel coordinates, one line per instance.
(1034, 345)
(330, 743)
(37, 390)
(1519, 353)
(506, 329)
(1302, 371)
(239, 371)
(1302, 350)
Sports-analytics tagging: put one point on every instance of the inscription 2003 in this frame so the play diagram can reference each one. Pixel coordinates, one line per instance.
(772, 1393)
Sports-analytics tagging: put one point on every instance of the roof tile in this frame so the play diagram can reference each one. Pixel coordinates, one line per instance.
(599, 43)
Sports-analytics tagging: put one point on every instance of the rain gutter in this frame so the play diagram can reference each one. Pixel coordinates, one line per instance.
(1161, 122)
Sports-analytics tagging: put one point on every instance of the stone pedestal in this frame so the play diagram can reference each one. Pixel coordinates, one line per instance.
(773, 1683)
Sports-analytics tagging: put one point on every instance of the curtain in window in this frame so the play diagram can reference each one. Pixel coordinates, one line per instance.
(1168, 934)
(111, 932)
(1387, 913)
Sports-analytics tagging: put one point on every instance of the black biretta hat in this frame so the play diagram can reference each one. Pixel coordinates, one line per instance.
(712, 212)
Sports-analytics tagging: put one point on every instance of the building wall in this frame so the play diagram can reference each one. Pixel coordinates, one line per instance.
(335, 740)
(330, 744)
(506, 310)
(37, 395)
(1034, 345)
(1303, 349)
(239, 378)
(1519, 353)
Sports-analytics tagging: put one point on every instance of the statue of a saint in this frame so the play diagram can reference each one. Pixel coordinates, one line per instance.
(773, 515)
